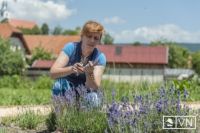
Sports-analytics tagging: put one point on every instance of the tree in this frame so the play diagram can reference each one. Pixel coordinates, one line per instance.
(72, 32)
(40, 53)
(11, 62)
(196, 62)
(34, 31)
(107, 39)
(178, 56)
(136, 44)
(45, 29)
(57, 30)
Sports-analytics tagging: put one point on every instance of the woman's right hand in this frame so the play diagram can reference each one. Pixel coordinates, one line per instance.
(77, 68)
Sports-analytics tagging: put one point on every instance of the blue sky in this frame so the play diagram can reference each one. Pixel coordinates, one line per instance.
(126, 20)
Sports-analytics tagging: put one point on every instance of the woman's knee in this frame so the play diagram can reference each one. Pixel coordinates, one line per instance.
(93, 99)
(60, 86)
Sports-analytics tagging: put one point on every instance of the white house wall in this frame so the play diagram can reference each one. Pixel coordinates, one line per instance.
(134, 74)
(17, 44)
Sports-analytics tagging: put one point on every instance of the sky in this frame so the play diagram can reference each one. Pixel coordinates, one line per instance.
(127, 21)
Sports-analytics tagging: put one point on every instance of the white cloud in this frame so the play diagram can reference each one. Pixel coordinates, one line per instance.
(49, 11)
(170, 32)
(114, 20)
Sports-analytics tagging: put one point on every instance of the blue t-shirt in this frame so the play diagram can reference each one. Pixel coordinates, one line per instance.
(70, 48)
(73, 51)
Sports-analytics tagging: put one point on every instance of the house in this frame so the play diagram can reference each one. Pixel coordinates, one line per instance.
(25, 24)
(127, 63)
(50, 43)
(15, 36)
(135, 63)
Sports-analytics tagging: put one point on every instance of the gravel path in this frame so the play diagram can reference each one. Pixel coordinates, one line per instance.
(15, 110)
(45, 109)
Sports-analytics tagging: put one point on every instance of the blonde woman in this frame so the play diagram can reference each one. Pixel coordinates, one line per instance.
(80, 64)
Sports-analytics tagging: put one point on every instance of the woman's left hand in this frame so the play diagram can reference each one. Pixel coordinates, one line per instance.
(89, 68)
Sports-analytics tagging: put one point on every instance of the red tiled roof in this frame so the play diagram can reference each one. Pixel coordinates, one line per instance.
(50, 43)
(6, 30)
(42, 64)
(135, 54)
(21, 23)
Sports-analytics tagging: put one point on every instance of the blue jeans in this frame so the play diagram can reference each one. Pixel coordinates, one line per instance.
(65, 92)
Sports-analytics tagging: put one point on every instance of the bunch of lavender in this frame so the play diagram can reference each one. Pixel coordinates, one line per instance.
(72, 98)
(145, 113)
(75, 114)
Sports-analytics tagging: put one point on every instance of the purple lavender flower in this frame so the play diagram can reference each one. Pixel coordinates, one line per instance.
(113, 95)
(162, 92)
(185, 94)
(172, 89)
(159, 105)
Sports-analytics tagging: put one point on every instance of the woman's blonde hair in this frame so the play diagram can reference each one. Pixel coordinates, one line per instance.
(92, 27)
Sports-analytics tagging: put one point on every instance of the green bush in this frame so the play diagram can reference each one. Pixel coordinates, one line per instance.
(11, 62)
(39, 53)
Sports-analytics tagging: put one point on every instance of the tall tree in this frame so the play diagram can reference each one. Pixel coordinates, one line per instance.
(76, 31)
(196, 62)
(70, 32)
(34, 31)
(136, 44)
(107, 39)
(178, 56)
(45, 29)
(57, 30)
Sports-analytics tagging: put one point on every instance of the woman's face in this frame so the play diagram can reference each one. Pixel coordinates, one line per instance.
(90, 40)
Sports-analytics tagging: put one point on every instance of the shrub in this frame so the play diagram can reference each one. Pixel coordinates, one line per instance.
(39, 53)
(11, 62)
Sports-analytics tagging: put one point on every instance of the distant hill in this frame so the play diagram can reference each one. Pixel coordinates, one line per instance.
(193, 47)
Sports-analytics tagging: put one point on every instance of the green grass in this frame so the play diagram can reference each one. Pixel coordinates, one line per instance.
(194, 94)
(40, 92)
(28, 120)
(11, 96)
(127, 89)
(144, 88)
(82, 121)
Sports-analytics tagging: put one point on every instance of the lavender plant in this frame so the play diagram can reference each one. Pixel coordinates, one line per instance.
(145, 113)
(74, 112)
(139, 113)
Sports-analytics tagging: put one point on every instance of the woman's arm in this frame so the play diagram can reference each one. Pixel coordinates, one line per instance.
(58, 69)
